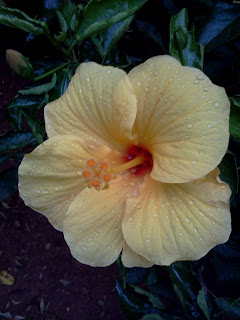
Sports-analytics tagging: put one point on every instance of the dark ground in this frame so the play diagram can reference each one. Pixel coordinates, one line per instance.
(49, 283)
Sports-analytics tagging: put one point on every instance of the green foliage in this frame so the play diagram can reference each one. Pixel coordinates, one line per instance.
(221, 26)
(235, 116)
(229, 172)
(182, 42)
(101, 14)
(44, 88)
(17, 19)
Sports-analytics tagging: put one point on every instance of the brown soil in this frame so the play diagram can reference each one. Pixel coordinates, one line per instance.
(49, 283)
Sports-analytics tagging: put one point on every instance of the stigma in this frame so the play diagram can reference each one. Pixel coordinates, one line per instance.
(98, 174)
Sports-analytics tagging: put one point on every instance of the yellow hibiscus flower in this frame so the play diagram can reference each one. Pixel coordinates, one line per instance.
(130, 164)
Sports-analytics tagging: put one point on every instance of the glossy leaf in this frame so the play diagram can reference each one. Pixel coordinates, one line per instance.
(40, 89)
(235, 116)
(101, 14)
(15, 140)
(229, 172)
(221, 26)
(186, 286)
(17, 19)
(8, 183)
(37, 127)
(20, 103)
(156, 303)
(201, 300)
(111, 36)
(182, 42)
(229, 308)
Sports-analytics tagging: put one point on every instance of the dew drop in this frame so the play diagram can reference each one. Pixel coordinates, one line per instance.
(130, 219)
(201, 213)
(139, 83)
(205, 89)
(187, 220)
(216, 104)
(201, 152)
(189, 126)
(84, 248)
(148, 240)
(195, 230)
(190, 202)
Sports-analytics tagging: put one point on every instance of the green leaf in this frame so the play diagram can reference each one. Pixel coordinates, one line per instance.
(8, 183)
(229, 307)
(229, 172)
(111, 36)
(17, 19)
(201, 300)
(40, 89)
(37, 128)
(182, 42)
(101, 14)
(156, 303)
(221, 26)
(15, 140)
(235, 116)
(20, 103)
(186, 286)
(62, 21)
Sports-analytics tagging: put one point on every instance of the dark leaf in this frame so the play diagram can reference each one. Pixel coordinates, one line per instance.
(101, 14)
(63, 78)
(156, 303)
(4, 158)
(17, 19)
(15, 140)
(152, 317)
(222, 25)
(37, 128)
(182, 42)
(136, 275)
(229, 172)
(111, 36)
(202, 302)
(186, 286)
(235, 116)
(229, 307)
(19, 104)
(40, 89)
(8, 183)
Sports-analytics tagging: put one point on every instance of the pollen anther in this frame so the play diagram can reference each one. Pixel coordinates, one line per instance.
(91, 163)
(107, 177)
(86, 174)
(104, 166)
(95, 183)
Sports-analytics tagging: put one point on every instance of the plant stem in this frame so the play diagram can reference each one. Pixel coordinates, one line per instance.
(51, 71)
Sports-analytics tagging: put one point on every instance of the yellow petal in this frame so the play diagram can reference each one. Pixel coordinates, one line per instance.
(92, 228)
(99, 102)
(182, 119)
(50, 177)
(131, 259)
(178, 221)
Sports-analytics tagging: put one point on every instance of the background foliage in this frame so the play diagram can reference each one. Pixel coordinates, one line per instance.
(56, 36)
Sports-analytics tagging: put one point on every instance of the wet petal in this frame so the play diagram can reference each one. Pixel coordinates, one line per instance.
(178, 221)
(50, 177)
(99, 102)
(131, 259)
(92, 228)
(182, 119)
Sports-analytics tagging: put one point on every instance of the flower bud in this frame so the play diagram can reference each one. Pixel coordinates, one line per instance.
(19, 64)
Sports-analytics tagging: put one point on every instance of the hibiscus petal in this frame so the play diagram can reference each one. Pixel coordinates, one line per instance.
(131, 259)
(99, 102)
(50, 177)
(92, 228)
(182, 119)
(178, 221)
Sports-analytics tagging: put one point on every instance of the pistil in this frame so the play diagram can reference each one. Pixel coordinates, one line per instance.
(126, 166)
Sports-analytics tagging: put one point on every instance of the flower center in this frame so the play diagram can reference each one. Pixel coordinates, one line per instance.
(143, 168)
(98, 174)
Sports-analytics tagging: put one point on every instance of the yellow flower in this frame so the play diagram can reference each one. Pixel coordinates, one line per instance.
(130, 164)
